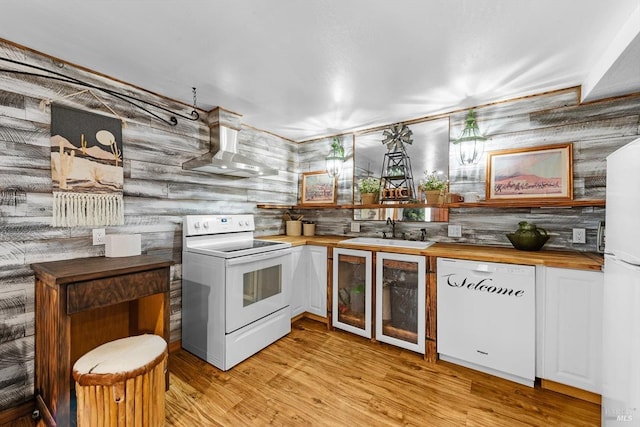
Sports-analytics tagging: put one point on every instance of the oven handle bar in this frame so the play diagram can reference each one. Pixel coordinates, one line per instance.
(258, 257)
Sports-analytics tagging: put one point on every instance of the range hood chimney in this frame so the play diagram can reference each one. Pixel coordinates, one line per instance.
(223, 157)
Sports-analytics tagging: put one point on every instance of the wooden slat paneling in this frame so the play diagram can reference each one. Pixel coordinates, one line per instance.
(13, 315)
(157, 191)
(595, 129)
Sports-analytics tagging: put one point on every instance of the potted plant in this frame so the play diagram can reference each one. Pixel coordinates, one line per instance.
(357, 299)
(434, 187)
(369, 190)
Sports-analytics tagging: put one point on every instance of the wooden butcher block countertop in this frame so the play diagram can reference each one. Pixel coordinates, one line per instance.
(550, 258)
(305, 240)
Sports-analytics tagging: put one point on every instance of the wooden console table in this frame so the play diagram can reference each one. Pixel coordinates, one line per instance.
(83, 303)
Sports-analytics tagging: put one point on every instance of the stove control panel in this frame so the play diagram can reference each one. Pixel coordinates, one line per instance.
(195, 225)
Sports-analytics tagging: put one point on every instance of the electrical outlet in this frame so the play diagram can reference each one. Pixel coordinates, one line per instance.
(579, 235)
(99, 236)
(455, 231)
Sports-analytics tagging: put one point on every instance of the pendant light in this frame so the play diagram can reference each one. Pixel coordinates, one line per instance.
(335, 159)
(471, 142)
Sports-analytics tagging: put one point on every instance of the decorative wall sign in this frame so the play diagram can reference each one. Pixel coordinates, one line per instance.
(531, 173)
(318, 188)
(86, 168)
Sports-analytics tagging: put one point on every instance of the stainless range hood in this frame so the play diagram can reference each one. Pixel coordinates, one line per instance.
(223, 157)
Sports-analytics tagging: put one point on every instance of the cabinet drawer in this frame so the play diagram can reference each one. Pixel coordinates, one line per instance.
(113, 290)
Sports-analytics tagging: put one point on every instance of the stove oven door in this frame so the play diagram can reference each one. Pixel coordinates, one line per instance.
(257, 286)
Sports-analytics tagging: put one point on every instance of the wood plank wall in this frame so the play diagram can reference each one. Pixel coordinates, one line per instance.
(596, 129)
(157, 194)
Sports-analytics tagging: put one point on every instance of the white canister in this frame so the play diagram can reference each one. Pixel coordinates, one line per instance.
(294, 228)
(308, 229)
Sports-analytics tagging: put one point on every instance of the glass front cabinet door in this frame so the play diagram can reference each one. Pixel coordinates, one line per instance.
(352, 291)
(400, 300)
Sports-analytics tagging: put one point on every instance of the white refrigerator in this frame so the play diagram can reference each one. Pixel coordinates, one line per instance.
(621, 310)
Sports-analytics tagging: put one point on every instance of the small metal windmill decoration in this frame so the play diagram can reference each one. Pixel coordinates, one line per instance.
(397, 177)
(396, 136)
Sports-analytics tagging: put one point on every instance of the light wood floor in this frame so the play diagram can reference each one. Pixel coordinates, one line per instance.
(317, 378)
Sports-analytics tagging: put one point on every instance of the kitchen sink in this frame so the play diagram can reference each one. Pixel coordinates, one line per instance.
(392, 243)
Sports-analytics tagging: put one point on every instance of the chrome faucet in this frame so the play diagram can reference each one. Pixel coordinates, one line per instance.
(423, 234)
(393, 227)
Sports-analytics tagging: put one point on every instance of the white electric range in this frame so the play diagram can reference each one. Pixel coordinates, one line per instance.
(235, 289)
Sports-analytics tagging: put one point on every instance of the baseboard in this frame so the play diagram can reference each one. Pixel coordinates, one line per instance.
(7, 416)
(175, 346)
(316, 318)
(571, 391)
(298, 317)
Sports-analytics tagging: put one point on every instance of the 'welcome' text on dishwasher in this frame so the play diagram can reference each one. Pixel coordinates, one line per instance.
(486, 317)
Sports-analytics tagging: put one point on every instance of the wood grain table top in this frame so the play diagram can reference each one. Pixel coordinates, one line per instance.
(81, 269)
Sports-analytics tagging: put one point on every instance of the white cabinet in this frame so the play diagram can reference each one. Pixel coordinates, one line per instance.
(299, 288)
(352, 291)
(309, 280)
(316, 275)
(400, 300)
(571, 327)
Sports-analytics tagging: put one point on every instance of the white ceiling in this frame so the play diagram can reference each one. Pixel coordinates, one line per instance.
(304, 69)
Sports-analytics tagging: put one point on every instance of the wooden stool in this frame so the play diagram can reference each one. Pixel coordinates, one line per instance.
(122, 383)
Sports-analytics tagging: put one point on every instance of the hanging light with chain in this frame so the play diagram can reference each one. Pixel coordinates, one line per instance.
(471, 142)
(335, 159)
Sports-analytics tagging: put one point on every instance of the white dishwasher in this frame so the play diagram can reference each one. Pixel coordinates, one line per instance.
(486, 317)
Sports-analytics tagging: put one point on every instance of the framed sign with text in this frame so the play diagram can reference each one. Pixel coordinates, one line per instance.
(318, 188)
(544, 172)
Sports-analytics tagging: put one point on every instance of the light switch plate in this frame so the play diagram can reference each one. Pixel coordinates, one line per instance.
(355, 227)
(455, 231)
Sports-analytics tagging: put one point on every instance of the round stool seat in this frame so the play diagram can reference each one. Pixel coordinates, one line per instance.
(122, 382)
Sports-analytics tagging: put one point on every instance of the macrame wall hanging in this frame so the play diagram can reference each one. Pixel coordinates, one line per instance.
(86, 168)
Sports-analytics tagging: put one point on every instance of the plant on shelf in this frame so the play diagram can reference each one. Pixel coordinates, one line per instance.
(369, 188)
(434, 187)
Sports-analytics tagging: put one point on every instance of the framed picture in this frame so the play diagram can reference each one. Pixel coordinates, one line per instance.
(318, 188)
(544, 172)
